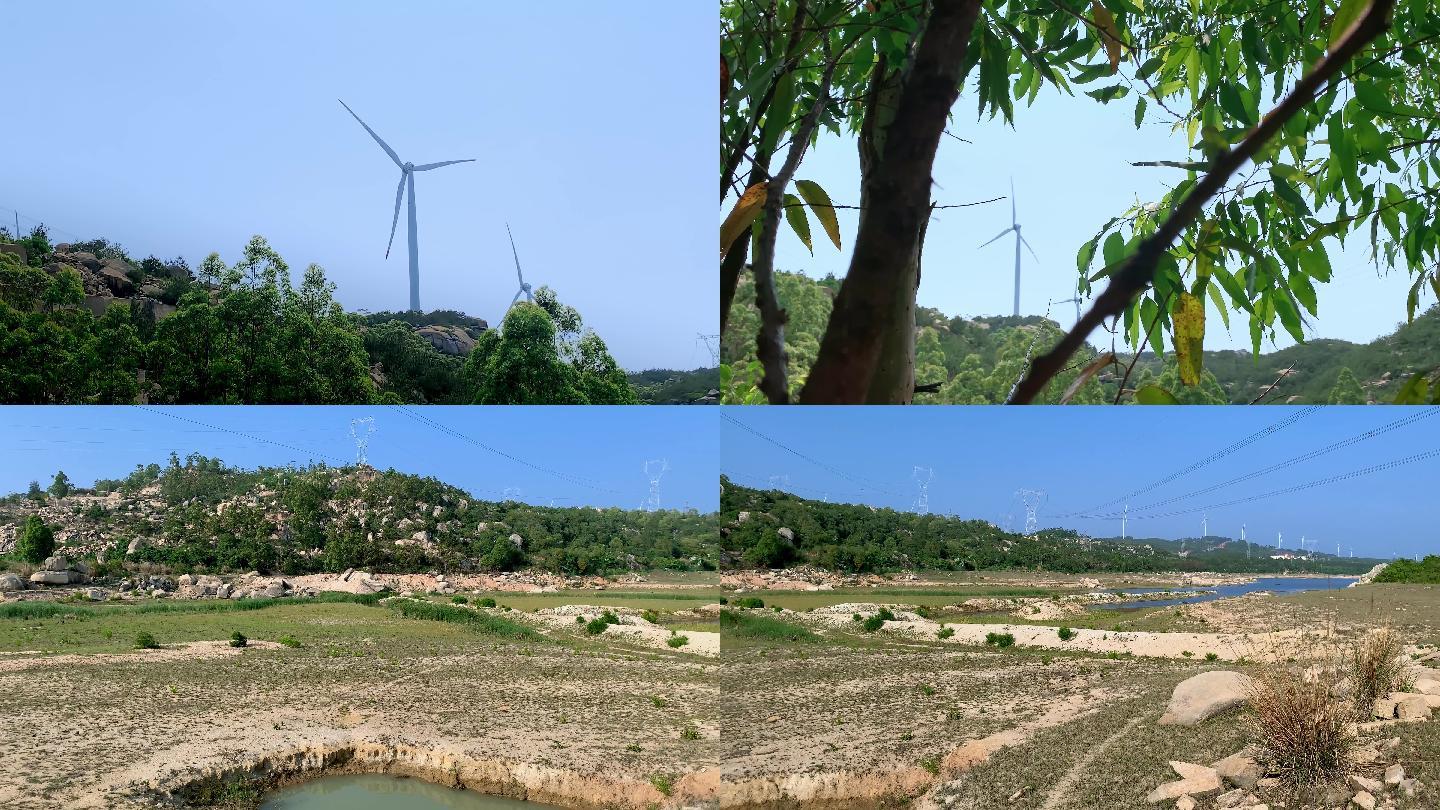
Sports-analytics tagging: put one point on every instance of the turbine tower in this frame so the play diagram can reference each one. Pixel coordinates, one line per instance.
(922, 476)
(524, 288)
(360, 430)
(406, 186)
(1019, 240)
(654, 469)
(1247, 542)
(1204, 526)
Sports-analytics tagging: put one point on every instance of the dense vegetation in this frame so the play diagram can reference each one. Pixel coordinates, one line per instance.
(666, 387)
(1426, 571)
(293, 521)
(977, 361)
(246, 334)
(860, 538)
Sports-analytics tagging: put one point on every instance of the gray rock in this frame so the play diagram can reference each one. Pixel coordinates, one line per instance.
(11, 582)
(1195, 780)
(97, 594)
(1384, 708)
(275, 589)
(1411, 707)
(1364, 784)
(55, 563)
(1205, 695)
(223, 591)
(185, 580)
(1240, 770)
(517, 541)
(1394, 775)
(1363, 800)
(786, 533)
(51, 577)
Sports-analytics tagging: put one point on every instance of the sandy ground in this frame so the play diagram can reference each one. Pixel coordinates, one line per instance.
(632, 628)
(78, 731)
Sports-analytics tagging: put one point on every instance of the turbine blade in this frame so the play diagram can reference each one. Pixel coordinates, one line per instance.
(516, 298)
(516, 254)
(428, 166)
(1027, 247)
(383, 145)
(399, 193)
(997, 237)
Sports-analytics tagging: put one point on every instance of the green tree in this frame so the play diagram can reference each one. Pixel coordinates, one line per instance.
(60, 487)
(36, 541)
(521, 365)
(1347, 390)
(35, 493)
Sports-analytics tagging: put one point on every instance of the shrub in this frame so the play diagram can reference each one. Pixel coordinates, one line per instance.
(677, 641)
(1066, 634)
(658, 702)
(776, 608)
(36, 541)
(1001, 640)
(945, 632)
(1210, 656)
(724, 601)
(926, 689)
(579, 619)
(485, 602)
(1303, 731)
(288, 640)
(459, 600)
(663, 783)
(596, 626)
(650, 616)
(750, 602)
(690, 733)
(873, 623)
(237, 639)
(609, 617)
(145, 641)
(931, 764)
(1375, 668)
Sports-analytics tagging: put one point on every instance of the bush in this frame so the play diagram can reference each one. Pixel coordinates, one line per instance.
(36, 541)
(724, 601)
(650, 616)
(1302, 730)
(459, 600)
(677, 641)
(1066, 634)
(485, 602)
(145, 641)
(873, 623)
(596, 626)
(288, 640)
(1210, 656)
(750, 602)
(237, 639)
(945, 632)
(663, 783)
(609, 617)
(1001, 640)
(1375, 668)
(690, 733)
(931, 765)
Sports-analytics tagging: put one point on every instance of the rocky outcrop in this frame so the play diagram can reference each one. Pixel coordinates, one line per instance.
(11, 582)
(451, 340)
(1369, 576)
(1205, 695)
(58, 570)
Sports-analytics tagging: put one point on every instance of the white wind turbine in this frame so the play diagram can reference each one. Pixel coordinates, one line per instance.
(407, 184)
(1019, 240)
(524, 288)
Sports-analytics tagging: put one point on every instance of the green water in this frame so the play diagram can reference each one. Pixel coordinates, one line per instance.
(375, 792)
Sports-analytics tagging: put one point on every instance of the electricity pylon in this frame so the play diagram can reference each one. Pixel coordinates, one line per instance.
(361, 430)
(654, 469)
(922, 476)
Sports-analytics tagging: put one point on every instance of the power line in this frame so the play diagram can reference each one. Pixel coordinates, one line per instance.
(567, 477)
(1356, 439)
(342, 462)
(1210, 459)
(822, 465)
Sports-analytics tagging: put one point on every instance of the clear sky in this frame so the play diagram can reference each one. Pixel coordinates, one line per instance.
(180, 128)
(1070, 159)
(598, 452)
(1085, 457)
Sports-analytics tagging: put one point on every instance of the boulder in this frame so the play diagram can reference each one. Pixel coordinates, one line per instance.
(17, 250)
(55, 563)
(1363, 800)
(1235, 798)
(185, 580)
(116, 280)
(97, 594)
(1364, 784)
(1185, 803)
(451, 340)
(517, 541)
(223, 591)
(1394, 775)
(51, 577)
(1205, 695)
(11, 582)
(786, 533)
(1195, 780)
(1240, 770)
(275, 589)
(1411, 707)
(1427, 686)
(1384, 708)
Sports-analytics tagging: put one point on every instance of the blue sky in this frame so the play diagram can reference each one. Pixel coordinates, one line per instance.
(1070, 159)
(605, 447)
(177, 127)
(1084, 457)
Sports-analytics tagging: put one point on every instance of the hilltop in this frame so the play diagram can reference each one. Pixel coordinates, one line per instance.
(774, 529)
(977, 360)
(203, 516)
(85, 322)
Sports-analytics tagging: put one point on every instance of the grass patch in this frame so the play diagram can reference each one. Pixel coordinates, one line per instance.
(1375, 669)
(481, 622)
(1302, 729)
(762, 628)
(146, 641)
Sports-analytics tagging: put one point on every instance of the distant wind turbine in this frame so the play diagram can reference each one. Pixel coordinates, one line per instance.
(524, 288)
(407, 182)
(1019, 240)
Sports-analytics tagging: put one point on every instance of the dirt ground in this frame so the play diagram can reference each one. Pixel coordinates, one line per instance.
(81, 730)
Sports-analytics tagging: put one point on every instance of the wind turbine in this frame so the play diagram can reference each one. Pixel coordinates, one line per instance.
(1019, 240)
(407, 183)
(524, 288)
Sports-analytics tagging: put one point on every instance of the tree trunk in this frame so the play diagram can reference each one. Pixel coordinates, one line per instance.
(867, 354)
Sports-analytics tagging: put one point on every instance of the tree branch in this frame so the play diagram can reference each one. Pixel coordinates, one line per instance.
(1136, 275)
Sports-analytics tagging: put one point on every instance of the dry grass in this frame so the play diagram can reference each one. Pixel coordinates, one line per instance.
(1303, 730)
(1375, 666)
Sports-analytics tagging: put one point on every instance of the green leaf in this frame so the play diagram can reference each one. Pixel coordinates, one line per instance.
(1109, 94)
(1304, 292)
(795, 215)
(823, 209)
(1214, 291)
(1233, 105)
(1413, 392)
(1189, 318)
(1155, 395)
(1139, 111)
(1289, 314)
(1345, 16)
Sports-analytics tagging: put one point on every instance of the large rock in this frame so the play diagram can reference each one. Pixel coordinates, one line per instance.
(17, 250)
(1410, 707)
(1210, 693)
(51, 577)
(11, 582)
(119, 284)
(1240, 770)
(275, 589)
(1427, 686)
(1195, 780)
(451, 340)
(55, 563)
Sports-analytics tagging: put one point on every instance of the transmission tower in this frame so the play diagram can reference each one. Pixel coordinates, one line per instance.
(511, 493)
(708, 340)
(360, 430)
(1204, 526)
(654, 469)
(922, 476)
(1031, 498)
(1124, 519)
(779, 481)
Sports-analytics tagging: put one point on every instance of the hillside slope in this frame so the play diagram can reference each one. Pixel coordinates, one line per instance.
(199, 515)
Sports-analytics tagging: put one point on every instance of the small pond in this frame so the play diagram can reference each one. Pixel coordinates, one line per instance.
(379, 792)
(1276, 585)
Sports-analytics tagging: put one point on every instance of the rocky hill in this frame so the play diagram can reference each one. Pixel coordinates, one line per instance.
(200, 516)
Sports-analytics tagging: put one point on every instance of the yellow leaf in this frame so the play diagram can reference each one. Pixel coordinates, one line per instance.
(742, 216)
(1109, 34)
(1189, 320)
